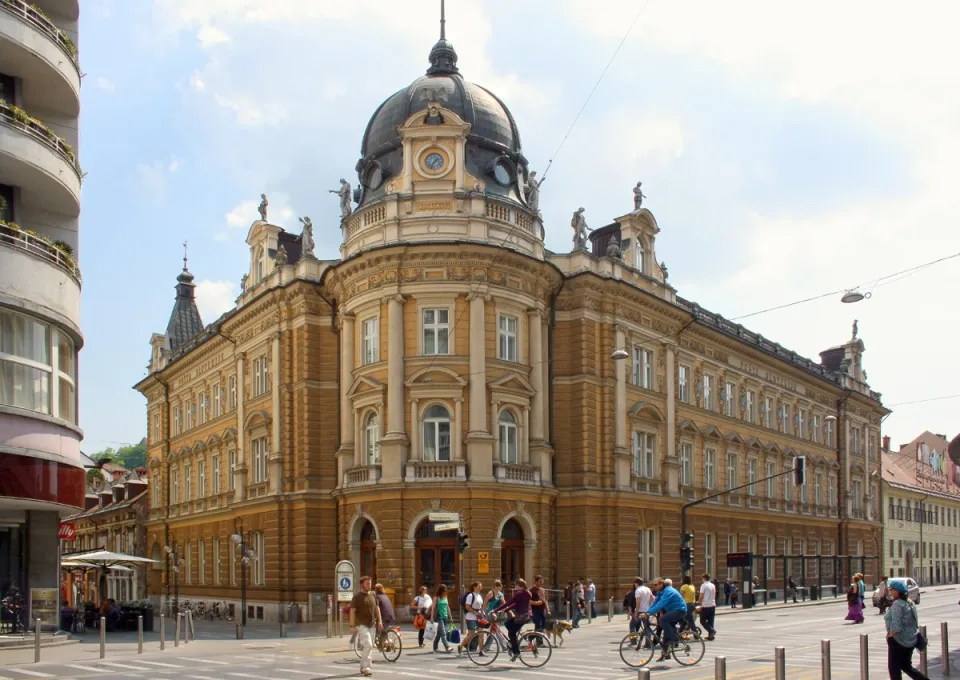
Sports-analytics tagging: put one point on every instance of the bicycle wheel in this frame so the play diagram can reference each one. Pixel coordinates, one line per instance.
(689, 650)
(356, 645)
(632, 651)
(391, 646)
(535, 649)
(486, 649)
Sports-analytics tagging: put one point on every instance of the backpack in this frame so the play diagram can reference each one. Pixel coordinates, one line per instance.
(464, 598)
(630, 600)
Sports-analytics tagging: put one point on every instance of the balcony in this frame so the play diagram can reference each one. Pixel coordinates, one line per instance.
(361, 476)
(516, 474)
(37, 51)
(647, 485)
(442, 471)
(38, 161)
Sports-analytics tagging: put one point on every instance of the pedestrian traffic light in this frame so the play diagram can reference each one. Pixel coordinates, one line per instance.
(688, 539)
(463, 542)
(799, 470)
(686, 559)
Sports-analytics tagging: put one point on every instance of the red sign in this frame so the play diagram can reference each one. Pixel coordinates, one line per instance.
(68, 531)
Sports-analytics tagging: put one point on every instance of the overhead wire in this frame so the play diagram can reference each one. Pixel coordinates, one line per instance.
(924, 401)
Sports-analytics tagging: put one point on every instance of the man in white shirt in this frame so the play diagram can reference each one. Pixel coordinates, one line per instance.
(643, 596)
(708, 606)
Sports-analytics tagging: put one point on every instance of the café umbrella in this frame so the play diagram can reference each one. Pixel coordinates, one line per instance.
(104, 560)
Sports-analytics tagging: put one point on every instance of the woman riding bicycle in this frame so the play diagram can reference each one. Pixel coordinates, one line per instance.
(519, 604)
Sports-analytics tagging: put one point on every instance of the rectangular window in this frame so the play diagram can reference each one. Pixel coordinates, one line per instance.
(177, 421)
(190, 408)
(709, 471)
(202, 560)
(829, 429)
(639, 257)
(371, 341)
(732, 543)
(752, 467)
(259, 561)
(750, 405)
(232, 392)
(230, 471)
(260, 459)
(204, 405)
(684, 380)
(217, 403)
(832, 491)
(708, 393)
(436, 331)
(788, 488)
(643, 368)
(155, 491)
(709, 553)
(261, 376)
(770, 564)
(786, 427)
(728, 399)
(233, 548)
(768, 412)
(187, 483)
(644, 463)
(201, 479)
(507, 338)
(188, 562)
(771, 483)
(857, 495)
(732, 463)
(156, 428)
(6, 191)
(818, 489)
(217, 578)
(647, 553)
(855, 441)
(216, 475)
(815, 429)
(686, 464)
(802, 424)
(174, 486)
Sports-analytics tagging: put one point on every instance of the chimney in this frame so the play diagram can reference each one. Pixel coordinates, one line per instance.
(886, 442)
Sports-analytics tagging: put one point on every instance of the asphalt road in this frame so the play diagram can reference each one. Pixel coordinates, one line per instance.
(747, 639)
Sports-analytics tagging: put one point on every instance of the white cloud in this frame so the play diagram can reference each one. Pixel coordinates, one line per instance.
(174, 165)
(214, 298)
(105, 84)
(210, 36)
(196, 82)
(249, 112)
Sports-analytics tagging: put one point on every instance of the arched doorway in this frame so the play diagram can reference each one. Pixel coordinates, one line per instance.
(368, 551)
(511, 553)
(437, 560)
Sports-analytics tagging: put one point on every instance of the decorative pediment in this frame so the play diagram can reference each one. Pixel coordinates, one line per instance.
(183, 451)
(645, 408)
(197, 446)
(213, 440)
(754, 443)
(712, 432)
(689, 426)
(734, 438)
(790, 451)
(773, 447)
(365, 385)
(229, 434)
(258, 417)
(436, 375)
(857, 467)
(512, 382)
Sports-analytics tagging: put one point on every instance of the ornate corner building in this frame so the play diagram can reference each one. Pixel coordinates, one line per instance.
(41, 465)
(449, 361)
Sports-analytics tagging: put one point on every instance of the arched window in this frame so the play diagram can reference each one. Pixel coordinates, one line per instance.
(371, 439)
(436, 434)
(639, 256)
(260, 265)
(508, 437)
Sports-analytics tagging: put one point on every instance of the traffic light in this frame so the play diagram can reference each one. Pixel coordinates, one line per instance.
(463, 542)
(686, 559)
(799, 470)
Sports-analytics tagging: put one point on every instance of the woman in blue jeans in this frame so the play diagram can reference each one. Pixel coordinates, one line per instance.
(440, 613)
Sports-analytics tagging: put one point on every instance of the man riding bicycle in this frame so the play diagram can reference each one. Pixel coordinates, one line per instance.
(672, 609)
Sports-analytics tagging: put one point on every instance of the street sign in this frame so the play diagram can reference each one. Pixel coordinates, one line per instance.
(483, 563)
(444, 517)
(345, 579)
(447, 526)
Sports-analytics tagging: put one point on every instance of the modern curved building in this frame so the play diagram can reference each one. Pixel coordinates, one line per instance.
(447, 362)
(41, 466)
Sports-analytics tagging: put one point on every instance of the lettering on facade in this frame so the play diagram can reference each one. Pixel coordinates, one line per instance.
(430, 206)
(780, 382)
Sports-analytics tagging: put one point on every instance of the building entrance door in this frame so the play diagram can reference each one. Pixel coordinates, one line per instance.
(368, 551)
(437, 561)
(511, 554)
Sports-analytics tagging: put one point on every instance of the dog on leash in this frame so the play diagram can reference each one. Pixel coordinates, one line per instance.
(556, 628)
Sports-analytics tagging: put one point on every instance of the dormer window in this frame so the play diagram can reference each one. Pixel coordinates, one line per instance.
(259, 264)
(639, 257)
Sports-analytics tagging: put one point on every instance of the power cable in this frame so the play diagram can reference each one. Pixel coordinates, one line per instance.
(924, 401)
(595, 86)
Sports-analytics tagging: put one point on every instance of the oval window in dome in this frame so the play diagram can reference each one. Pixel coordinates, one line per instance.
(502, 172)
(374, 176)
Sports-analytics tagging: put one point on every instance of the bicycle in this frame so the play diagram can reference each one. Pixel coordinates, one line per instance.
(687, 651)
(389, 642)
(485, 646)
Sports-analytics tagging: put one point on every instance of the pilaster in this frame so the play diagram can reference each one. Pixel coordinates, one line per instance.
(621, 453)
(671, 465)
(393, 448)
(240, 472)
(478, 437)
(346, 451)
(276, 459)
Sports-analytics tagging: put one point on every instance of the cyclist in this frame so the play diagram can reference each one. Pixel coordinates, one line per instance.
(473, 605)
(388, 618)
(519, 602)
(672, 609)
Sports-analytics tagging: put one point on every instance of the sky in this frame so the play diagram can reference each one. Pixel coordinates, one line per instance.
(787, 150)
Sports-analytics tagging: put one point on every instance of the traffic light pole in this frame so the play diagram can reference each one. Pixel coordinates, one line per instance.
(686, 506)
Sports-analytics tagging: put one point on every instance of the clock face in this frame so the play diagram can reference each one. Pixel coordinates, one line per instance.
(501, 173)
(434, 161)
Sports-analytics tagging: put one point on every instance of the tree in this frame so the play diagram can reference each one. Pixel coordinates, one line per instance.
(132, 457)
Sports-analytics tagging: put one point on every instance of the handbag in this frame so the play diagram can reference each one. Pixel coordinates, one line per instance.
(921, 642)
(420, 622)
(430, 632)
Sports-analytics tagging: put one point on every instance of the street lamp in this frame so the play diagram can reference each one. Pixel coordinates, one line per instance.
(854, 296)
(177, 563)
(247, 556)
(619, 354)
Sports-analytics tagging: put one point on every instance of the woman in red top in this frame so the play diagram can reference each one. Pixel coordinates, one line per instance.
(519, 602)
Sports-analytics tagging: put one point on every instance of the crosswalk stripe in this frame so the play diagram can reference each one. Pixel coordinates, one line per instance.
(249, 675)
(200, 677)
(122, 665)
(291, 670)
(157, 663)
(32, 673)
(89, 668)
(219, 663)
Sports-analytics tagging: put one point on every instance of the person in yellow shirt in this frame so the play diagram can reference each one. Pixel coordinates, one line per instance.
(689, 593)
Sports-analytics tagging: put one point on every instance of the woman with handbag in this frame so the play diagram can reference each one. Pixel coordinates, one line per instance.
(440, 614)
(903, 634)
(854, 605)
(420, 607)
(519, 606)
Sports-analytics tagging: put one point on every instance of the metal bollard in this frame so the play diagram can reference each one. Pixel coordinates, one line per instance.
(176, 635)
(780, 663)
(945, 647)
(825, 665)
(923, 654)
(569, 612)
(643, 674)
(864, 658)
(720, 668)
(139, 635)
(36, 641)
(187, 618)
(163, 632)
(610, 611)
(103, 637)
(239, 631)
(329, 622)
(283, 629)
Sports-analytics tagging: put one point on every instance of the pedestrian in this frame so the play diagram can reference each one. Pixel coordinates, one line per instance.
(882, 601)
(420, 607)
(388, 619)
(568, 598)
(494, 598)
(854, 606)
(674, 610)
(689, 593)
(734, 595)
(578, 603)
(519, 607)
(861, 588)
(540, 608)
(708, 606)
(630, 604)
(644, 599)
(591, 592)
(902, 622)
(473, 605)
(440, 614)
(726, 591)
(365, 621)
(792, 587)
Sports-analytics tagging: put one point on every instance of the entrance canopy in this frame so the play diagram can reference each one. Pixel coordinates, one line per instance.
(104, 559)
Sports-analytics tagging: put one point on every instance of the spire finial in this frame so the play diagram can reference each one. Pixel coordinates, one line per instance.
(443, 58)
(443, 21)
(184, 255)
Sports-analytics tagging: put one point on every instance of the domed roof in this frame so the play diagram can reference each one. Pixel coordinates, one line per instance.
(493, 131)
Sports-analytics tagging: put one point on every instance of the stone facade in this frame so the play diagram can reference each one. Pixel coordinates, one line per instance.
(449, 362)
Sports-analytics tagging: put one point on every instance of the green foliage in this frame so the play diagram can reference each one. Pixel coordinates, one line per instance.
(130, 457)
(94, 477)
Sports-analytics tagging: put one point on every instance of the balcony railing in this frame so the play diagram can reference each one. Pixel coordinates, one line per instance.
(18, 119)
(36, 18)
(647, 485)
(516, 474)
(361, 476)
(13, 236)
(445, 471)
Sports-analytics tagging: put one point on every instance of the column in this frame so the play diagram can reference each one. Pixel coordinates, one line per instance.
(671, 466)
(545, 373)
(535, 323)
(276, 458)
(393, 448)
(458, 429)
(621, 454)
(240, 472)
(479, 440)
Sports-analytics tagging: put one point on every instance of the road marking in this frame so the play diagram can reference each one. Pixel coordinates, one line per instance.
(33, 673)
(200, 677)
(219, 663)
(157, 663)
(123, 666)
(249, 675)
(89, 668)
(291, 670)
